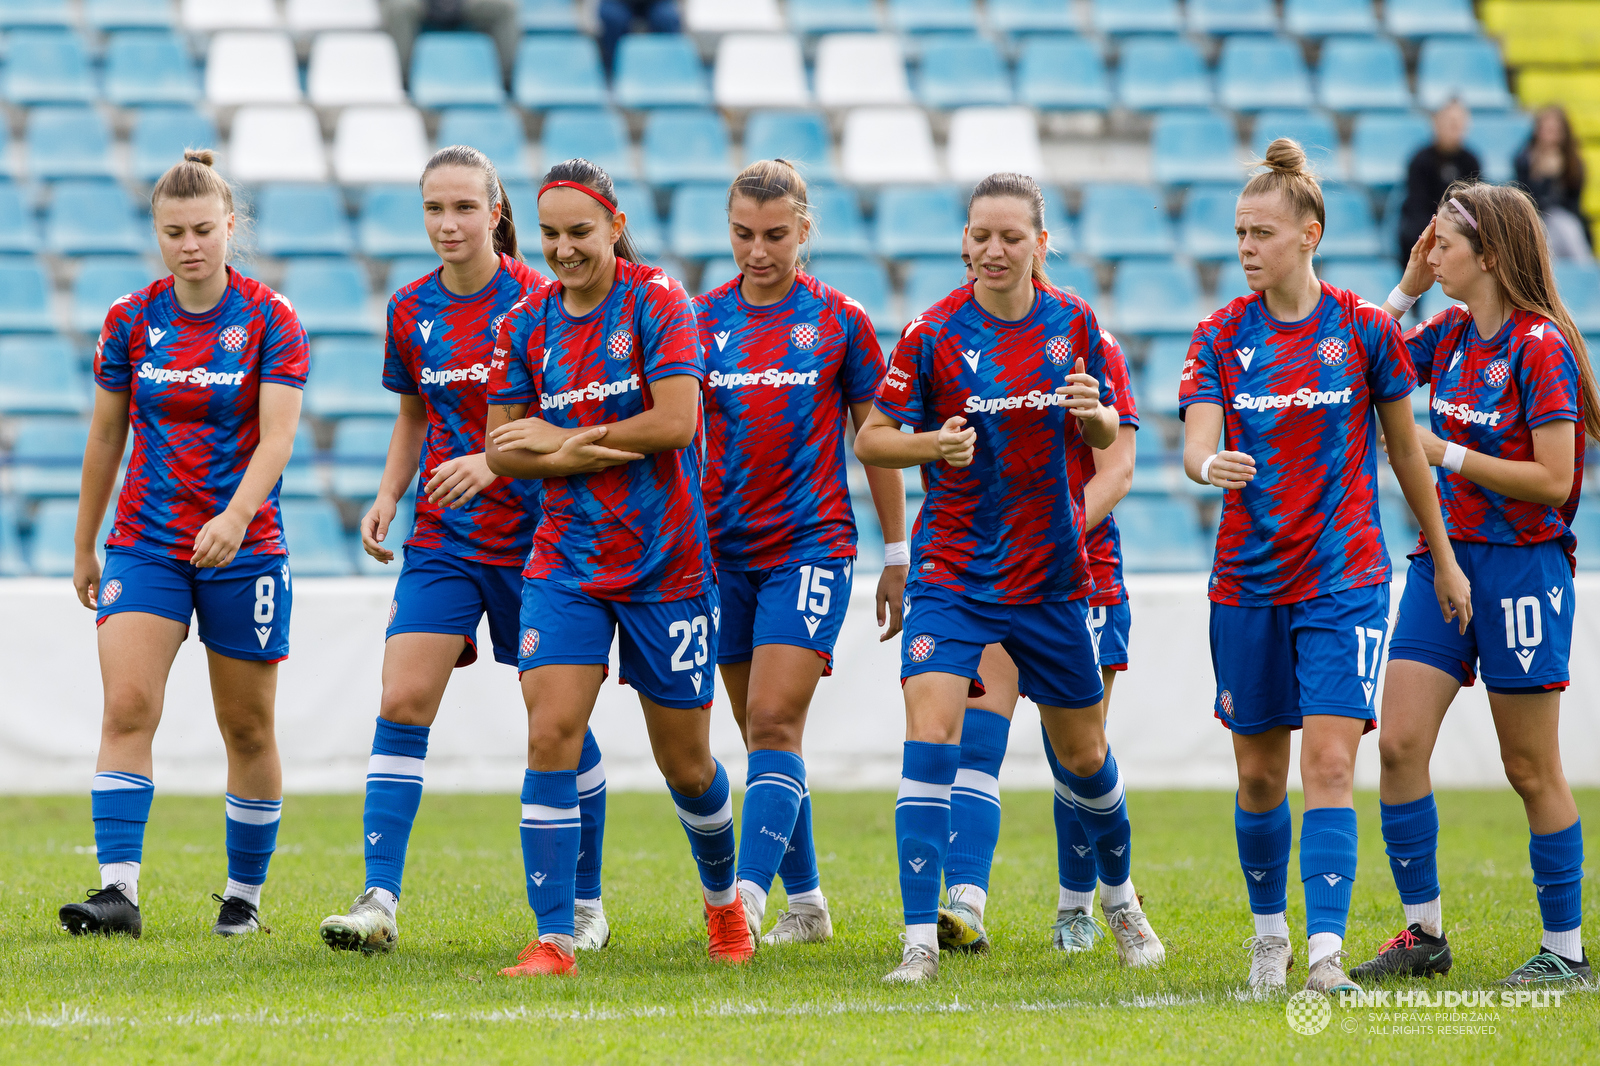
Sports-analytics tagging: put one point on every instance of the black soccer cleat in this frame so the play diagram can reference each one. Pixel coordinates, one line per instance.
(106, 911)
(1412, 953)
(237, 917)
(1547, 968)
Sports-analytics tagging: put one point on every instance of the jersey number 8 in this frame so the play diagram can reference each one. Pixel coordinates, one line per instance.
(266, 588)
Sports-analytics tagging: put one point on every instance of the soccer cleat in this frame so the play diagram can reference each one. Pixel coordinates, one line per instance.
(590, 930)
(1075, 930)
(1328, 976)
(960, 929)
(1271, 959)
(369, 927)
(542, 958)
(106, 911)
(803, 923)
(918, 963)
(1411, 953)
(729, 933)
(1137, 943)
(752, 914)
(1548, 968)
(237, 917)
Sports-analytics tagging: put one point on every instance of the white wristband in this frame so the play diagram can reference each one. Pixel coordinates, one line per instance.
(1400, 301)
(1454, 456)
(1205, 469)
(897, 554)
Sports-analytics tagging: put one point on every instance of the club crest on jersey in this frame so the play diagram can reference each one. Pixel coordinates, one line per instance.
(1331, 350)
(233, 339)
(530, 642)
(1225, 701)
(921, 648)
(620, 344)
(1058, 350)
(1497, 373)
(494, 327)
(804, 336)
(109, 592)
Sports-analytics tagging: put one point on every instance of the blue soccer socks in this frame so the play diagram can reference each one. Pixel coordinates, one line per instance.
(550, 831)
(799, 866)
(120, 805)
(1103, 811)
(708, 821)
(1557, 861)
(1411, 838)
(1265, 840)
(1075, 868)
(922, 832)
(775, 786)
(975, 805)
(592, 810)
(252, 836)
(394, 792)
(1328, 871)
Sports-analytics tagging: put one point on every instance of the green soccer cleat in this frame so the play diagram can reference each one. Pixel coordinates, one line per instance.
(1549, 969)
(1410, 953)
(960, 929)
(1075, 930)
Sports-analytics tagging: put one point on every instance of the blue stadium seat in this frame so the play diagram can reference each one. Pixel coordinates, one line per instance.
(102, 282)
(685, 145)
(54, 526)
(1137, 16)
(919, 220)
(1351, 232)
(1315, 132)
(1161, 535)
(330, 295)
(47, 456)
(359, 448)
(391, 222)
(864, 281)
(1586, 525)
(400, 527)
(1258, 72)
(933, 16)
(1031, 16)
(1323, 18)
(24, 296)
(1163, 371)
(1162, 72)
(699, 224)
(316, 540)
(597, 134)
(1078, 278)
(660, 70)
(1058, 222)
(1433, 301)
(1124, 220)
(799, 136)
(40, 376)
(1155, 296)
(68, 142)
(930, 279)
(1383, 143)
(1496, 137)
(1359, 73)
(559, 70)
(346, 379)
(1154, 472)
(303, 474)
(549, 16)
(128, 14)
(1398, 525)
(1423, 18)
(1232, 16)
(840, 229)
(302, 220)
(94, 218)
(6, 170)
(636, 201)
(962, 72)
(149, 68)
(160, 135)
(406, 269)
(494, 131)
(1463, 68)
(47, 66)
(12, 562)
(832, 16)
(1188, 146)
(450, 69)
(1370, 279)
(1579, 286)
(20, 13)
(1062, 72)
(1205, 230)
(18, 231)
(718, 271)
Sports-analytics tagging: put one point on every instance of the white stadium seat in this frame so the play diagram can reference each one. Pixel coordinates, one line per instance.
(276, 144)
(861, 68)
(379, 144)
(984, 140)
(760, 70)
(312, 16)
(204, 16)
(354, 68)
(724, 16)
(252, 68)
(888, 144)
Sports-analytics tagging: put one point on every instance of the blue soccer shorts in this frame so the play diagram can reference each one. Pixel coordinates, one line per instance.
(1520, 635)
(1110, 625)
(442, 593)
(946, 632)
(803, 605)
(1275, 665)
(668, 649)
(243, 607)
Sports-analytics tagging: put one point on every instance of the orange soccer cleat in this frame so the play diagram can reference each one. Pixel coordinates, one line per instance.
(730, 933)
(540, 958)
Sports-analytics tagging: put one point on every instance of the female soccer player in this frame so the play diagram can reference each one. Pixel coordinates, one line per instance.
(1512, 392)
(1300, 587)
(998, 554)
(610, 353)
(473, 530)
(206, 367)
(787, 358)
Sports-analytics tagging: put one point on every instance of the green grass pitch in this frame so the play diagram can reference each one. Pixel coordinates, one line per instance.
(182, 995)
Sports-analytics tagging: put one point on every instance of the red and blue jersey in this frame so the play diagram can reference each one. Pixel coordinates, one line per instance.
(195, 384)
(1008, 528)
(439, 347)
(779, 382)
(1489, 396)
(636, 532)
(1104, 543)
(1297, 397)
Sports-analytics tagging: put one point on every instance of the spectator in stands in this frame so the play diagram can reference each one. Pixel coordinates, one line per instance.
(1431, 172)
(617, 17)
(498, 18)
(1551, 169)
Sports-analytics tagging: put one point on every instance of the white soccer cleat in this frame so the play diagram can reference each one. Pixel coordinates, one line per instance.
(590, 930)
(752, 915)
(1271, 959)
(1137, 944)
(368, 927)
(803, 923)
(1327, 975)
(1074, 931)
(919, 963)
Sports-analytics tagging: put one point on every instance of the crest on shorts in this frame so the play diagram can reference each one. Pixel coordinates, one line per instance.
(1058, 350)
(234, 338)
(394, 606)
(620, 344)
(530, 642)
(1497, 373)
(109, 592)
(1225, 701)
(804, 336)
(921, 648)
(1331, 351)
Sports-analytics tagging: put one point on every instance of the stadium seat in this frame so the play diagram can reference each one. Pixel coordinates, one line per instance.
(400, 527)
(960, 72)
(1232, 16)
(1123, 220)
(276, 144)
(1496, 137)
(1579, 286)
(699, 223)
(861, 68)
(1351, 232)
(1323, 18)
(377, 144)
(1030, 16)
(1424, 18)
(930, 279)
(1370, 279)
(406, 269)
(760, 70)
(144, 67)
(1258, 72)
(1137, 16)
(799, 136)
(832, 16)
(1465, 69)
(107, 15)
(302, 220)
(24, 296)
(864, 281)
(55, 523)
(884, 144)
(549, 16)
(1433, 301)
(47, 66)
(160, 135)
(1161, 535)
(1231, 285)
(1060, 72)
(685, 145)
(1058, 222)
(252, 68)
(1160, 72)
(933, 16)
(1383, 143)
(346, 378)
(732, 16)
(16, 14)
(330, 295)
(202, 16)
(1315, 132)
(1188, 146)
(359, 448)
(659, 70)
(102, 282)
(984, 140)
(317, 16)
(494, 131)
(47, 456)
(596, 134)
(316, 540)
(1155, 296)
(919, 220)
(40, 376)
(558, 70)
(1357, 73)
(839, 228)
(455, 69)
(1078, 278)
(18, 231)
(354, 68)
(720, 271)
(6, 170)
(1586, 524)
(68, 142)
(1154, 472)
(644, 225)
(94, 218)
(1162, 377)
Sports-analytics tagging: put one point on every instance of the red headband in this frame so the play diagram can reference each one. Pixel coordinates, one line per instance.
(601, 200)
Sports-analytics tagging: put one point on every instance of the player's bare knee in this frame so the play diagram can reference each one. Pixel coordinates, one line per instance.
(407, 705)
(1085, 757)
(1328, 772)
(687, 775)
(1530, 777)
(773, 728)
(130, 710)
(1401, 752)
